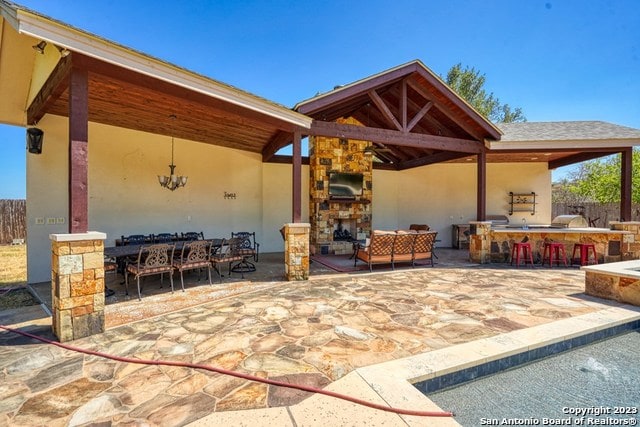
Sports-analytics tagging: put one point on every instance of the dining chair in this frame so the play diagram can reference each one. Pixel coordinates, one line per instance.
(165, 237)
(194, 255)
(193, 235)
(227, 253)
(152, 259)
(247, 244)
(134, 239)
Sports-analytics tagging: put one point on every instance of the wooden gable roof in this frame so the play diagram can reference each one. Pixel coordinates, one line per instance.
(411, 116)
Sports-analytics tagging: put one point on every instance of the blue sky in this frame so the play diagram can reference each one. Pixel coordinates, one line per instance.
(556, 59)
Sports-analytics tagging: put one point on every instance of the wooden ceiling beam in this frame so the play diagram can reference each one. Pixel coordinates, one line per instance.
(53, 87)
(445, 110)
(284, 159)
(385, 166)
(419, 115)
(431, 159)
(391, 137)
(280, 140)
(386, 112)
(577, 158)
(402, 107)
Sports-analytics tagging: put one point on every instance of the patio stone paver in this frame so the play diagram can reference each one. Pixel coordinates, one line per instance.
(311, 333)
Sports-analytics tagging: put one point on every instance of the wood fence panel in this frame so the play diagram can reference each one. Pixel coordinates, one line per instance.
(599, 214)
(13, 220)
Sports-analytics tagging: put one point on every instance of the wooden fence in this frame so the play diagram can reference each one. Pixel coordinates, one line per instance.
(13, 220)
(599, 214)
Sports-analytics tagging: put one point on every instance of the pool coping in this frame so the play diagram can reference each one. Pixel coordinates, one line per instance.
(621, 268)
(392, 383)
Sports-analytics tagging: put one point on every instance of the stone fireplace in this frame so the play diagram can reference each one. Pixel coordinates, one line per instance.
(345, 230)
(332, 219)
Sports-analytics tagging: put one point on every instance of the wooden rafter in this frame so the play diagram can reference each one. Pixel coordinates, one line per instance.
(577, 158)
(430, 159)
(386, 112)
(402, 107)
(281, 139)
(391, 137)
(56, 84)
(469, 129)
(419, 115)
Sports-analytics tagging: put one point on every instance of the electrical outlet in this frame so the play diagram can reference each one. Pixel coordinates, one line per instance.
(51, 221)
(39, 221)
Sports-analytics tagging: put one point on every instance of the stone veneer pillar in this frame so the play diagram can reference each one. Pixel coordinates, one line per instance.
(77, 284)
(630, 242)
(480, 242)
(296, 251)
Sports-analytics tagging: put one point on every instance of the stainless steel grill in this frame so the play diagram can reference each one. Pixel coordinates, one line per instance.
(569, 221)
(498, 219)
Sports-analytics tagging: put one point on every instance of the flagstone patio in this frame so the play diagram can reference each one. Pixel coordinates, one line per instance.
(311, 333)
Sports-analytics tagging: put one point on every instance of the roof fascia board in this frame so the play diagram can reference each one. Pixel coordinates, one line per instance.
(9, 14)
(364, 86)
(559, 145)
(392, 74)
(75, 40)
(435, 80)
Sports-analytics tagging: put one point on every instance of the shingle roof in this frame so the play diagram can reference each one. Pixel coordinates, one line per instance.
(565, 131)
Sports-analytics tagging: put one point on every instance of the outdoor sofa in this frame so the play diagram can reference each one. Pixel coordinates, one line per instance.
(392, 247)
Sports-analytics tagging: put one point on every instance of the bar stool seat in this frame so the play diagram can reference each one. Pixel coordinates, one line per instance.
(552, 249)
(584, 249)
(523, 248)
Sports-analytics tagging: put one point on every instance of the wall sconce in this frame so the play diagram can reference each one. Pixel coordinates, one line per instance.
(40, 47)
(63, 51)
(34, 140)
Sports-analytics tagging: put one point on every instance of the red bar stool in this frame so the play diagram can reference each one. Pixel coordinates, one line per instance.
(584, 249)
(552, 249)
(525, 249)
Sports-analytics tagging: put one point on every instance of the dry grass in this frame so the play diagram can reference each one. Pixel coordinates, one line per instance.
(13, 265)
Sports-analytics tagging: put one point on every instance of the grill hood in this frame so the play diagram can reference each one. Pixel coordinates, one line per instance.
(569, 221)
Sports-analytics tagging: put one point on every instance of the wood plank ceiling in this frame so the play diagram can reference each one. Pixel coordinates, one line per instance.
(123, 98)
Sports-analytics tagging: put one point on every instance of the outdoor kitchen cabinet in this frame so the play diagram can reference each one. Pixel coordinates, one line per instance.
(522, 202)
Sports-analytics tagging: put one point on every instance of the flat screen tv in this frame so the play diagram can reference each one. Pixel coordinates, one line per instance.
(343, 185)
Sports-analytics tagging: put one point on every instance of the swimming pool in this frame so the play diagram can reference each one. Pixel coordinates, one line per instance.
(595, 384)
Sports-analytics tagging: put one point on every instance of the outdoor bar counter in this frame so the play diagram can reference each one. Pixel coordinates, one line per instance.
(611, 245)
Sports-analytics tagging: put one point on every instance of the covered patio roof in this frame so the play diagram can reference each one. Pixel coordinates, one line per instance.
(128, 89)
(408, 113)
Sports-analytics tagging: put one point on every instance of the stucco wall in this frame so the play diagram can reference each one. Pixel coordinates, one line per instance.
(277, 192)
(125, 198)
(444, 194)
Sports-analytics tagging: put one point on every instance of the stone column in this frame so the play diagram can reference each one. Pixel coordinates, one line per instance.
(296, 251)
(77, 284)
(480, 242)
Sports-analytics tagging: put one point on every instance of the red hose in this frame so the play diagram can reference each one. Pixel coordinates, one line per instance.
(235, 374)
